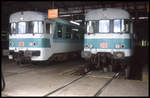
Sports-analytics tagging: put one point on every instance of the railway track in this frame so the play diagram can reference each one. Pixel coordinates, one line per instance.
(116, 75)
(46, 95)
(82, 72)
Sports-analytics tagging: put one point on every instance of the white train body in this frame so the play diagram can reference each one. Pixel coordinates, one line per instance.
(109, 30)
(34, 35)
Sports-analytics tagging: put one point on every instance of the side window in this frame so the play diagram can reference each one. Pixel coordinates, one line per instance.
(47, 28)
(59, 31)
(81, 34)
(68, 32)
(75, 33)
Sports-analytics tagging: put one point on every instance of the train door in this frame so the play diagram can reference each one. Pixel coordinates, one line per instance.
(49, 30)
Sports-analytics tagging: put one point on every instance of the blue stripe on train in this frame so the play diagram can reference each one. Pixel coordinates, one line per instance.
(40, 42)
(111, 43)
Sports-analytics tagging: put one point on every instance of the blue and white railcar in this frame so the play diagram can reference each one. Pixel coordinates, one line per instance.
(108, 38)
(33, 36)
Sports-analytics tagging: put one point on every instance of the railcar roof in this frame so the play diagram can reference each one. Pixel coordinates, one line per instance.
(27, 16)
(34, 16)
(107, 13)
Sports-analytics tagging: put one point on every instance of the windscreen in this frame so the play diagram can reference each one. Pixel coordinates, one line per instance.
(108, 26)
(27, 27)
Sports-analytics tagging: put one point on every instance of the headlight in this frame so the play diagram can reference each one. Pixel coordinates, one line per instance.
(90, 46)
(11, 44)
(30, 44)
(117, 46)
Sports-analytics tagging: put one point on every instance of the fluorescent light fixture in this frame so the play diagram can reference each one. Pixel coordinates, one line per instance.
(78, 20)
(75, 22)
(75, 29)
(140, 17)
(143, 17)
(64, 15)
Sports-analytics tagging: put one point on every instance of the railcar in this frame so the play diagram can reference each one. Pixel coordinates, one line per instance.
(35, 37)
(108, 39)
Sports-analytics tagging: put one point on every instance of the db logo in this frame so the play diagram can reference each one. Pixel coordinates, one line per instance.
(104, 45)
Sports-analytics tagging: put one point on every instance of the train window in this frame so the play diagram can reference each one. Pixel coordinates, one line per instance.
(68, 32)
(47, 28)
(35, 27)
(27, 27)
(91, 26)
(68, 29)
(74, 32)
(117, 25)
(126, 24)
(40, 26)
(13, 28)
(59, 32)
(22, 27)
(104, 26)
(30, 27)
(68, 35)
(121, 26)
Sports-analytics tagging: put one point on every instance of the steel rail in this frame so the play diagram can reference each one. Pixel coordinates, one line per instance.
(46, 95)
(109, 81)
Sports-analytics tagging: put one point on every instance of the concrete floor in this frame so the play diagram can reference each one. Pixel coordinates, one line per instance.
(38, 80)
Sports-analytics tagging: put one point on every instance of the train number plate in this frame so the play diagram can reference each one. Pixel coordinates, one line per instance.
(103, 45)
(21, 43)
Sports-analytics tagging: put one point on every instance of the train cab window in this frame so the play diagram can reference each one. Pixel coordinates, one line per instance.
(121, 26)
(30, 27)
(92, 26)
(27, 27)
(104, 26)
(13, 28)
(59, 31)
(40, 27)
(117, 25)
(47, 28)
(126, 26)
(22, 27)
(37, 27)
